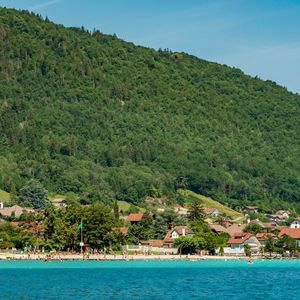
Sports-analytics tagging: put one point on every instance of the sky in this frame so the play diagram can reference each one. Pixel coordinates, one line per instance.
(261, 37)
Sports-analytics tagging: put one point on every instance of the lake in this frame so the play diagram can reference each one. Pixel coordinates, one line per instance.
(208, 279)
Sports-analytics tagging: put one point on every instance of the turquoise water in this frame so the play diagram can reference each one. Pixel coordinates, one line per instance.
(150, 280)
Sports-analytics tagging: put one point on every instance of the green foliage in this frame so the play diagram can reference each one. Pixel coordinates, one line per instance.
(98, 223)
(270, 247)
(208, 241)
(195, 212)
(165, 221)
(13, 237)
(247, 250)
(116, 210)
(253, 228)
(34, 194)
(94, 115)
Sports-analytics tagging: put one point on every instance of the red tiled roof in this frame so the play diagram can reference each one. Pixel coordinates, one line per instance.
(293, 233)
(239, 238)
(234, 228)
(262, 236)
(135, 217)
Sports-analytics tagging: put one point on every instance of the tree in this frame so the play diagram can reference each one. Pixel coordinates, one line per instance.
(269, 247)
(98, 223)
(253, 228)
(116, 210)
(247, 250)
(165, 221)
(195, 212)
(34, 194)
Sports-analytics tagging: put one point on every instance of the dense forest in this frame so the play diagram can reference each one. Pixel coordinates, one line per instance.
(89, 113)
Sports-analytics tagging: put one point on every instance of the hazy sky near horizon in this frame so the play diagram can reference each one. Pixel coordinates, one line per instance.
(261, 37)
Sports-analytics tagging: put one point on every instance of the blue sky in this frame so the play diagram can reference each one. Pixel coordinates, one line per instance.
(261, 37)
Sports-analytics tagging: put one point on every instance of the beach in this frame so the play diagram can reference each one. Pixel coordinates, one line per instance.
(109, 257)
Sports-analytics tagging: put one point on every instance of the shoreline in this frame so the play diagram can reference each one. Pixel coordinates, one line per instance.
(93, 257)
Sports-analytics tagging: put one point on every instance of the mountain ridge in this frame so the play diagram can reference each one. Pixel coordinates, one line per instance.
(88, 113)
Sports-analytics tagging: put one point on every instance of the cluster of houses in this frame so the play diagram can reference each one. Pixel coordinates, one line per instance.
(238, 238)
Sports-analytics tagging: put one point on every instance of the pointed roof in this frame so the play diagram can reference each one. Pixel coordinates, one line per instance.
(239, 238)
(293, 233)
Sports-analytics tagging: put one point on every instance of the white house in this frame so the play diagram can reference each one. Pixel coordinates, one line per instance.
(239, 240)
(176, 232)
(295, 223)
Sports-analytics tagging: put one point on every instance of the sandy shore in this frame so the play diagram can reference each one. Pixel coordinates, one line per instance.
(11, 256)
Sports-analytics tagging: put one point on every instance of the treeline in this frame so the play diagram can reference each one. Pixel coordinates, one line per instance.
(88, 113)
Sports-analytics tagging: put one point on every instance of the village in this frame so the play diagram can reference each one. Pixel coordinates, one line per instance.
(279, 236)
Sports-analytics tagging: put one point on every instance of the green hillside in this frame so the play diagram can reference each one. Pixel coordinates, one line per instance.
(4, 196)
(88, 113)
(208, 202)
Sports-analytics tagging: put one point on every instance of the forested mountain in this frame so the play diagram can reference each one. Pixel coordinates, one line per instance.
(87, 112)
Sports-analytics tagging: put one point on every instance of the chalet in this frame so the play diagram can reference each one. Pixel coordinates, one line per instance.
(15, 211)
(235, 228)
(176, 232)
(250, 209)
(295, 223)
(293, 233)
(134, 218)
(239, 240)
(211, 212)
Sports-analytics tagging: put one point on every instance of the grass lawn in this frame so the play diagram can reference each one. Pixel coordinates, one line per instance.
(4, 196)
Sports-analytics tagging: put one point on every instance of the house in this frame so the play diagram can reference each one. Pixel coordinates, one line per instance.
(15, 211)
(59, 202)
(250, 209)
(293, 233)
(276, 217)
(211, 212)
(295, 223)
(217, 228)
(239, 240)
(176, 232)
(134, 218)
(234, 228)
(263, 236)
(283, 214)
(180, 210)
(268, 226)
